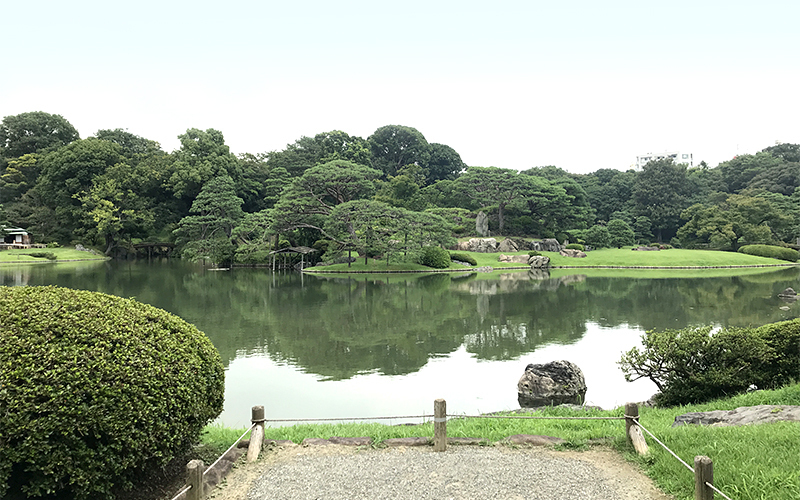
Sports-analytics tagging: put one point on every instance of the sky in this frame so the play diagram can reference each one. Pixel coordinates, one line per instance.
(581, 85)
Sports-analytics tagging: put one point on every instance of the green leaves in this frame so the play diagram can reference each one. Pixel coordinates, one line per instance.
(93, 388)
(695, 364)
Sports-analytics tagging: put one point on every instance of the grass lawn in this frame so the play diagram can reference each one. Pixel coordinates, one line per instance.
(61, 254)
(603, 257)
(750, 462)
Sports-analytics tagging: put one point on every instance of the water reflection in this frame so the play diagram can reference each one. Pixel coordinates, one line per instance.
(342, 328)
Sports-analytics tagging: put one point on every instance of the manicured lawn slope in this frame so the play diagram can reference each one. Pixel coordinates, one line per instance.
(61, 254)
(603, 257)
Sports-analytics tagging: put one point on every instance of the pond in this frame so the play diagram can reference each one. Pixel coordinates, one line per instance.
(309, 346)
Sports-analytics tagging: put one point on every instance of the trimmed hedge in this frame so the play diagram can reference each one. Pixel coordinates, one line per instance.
(771, 251)
(576, 246)
(435, 257)
(96, 388)
(462, 257)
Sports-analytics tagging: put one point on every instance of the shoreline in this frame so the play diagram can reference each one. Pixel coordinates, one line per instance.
(522, 268)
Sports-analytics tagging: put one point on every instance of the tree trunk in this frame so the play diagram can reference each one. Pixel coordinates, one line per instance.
(500, 222)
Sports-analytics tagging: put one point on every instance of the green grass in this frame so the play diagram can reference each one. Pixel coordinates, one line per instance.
(601, 258)
(755, 462)
(62, 254)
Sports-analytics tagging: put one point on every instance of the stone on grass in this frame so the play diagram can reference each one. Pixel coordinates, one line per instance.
(550, 384)
(507, 245)
(539, 261)
(482, 224)
(743, 415)
(571, 252)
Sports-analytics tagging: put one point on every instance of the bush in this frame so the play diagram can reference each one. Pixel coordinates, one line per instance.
(771, 251)
(784, 340)
(43, 255)
(95, 389)
(462, 257)
(533, 253)
(435, 257)
(575, 246)
(597, 236)
(693, 365)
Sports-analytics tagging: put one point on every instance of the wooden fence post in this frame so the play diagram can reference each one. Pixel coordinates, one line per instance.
(631, 416)
(195, 480)
(439, 425)
(703, 473)
(257, 434)
(632, 431)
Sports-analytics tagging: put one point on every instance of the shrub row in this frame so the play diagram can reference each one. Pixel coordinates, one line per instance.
(96, 388)
(771, 251)
(463, 257)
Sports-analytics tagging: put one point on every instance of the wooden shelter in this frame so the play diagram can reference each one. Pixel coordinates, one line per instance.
(14, 237)
(303, 251)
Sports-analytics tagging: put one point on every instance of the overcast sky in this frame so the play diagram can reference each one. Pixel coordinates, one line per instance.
(581, 85)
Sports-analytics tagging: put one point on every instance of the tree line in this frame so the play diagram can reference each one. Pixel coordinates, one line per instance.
(388, 195)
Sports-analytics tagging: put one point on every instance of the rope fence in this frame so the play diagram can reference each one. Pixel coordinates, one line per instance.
(703, 466)
(703, 470)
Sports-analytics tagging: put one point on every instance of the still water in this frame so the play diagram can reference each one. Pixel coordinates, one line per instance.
(387, 345)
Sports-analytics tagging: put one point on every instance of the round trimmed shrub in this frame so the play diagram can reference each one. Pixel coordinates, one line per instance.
(435, 257)
(96, 388)
(576, 246)
(463, 257)
(771, 251)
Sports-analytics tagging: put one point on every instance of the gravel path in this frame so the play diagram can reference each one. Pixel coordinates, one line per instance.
(468, 472)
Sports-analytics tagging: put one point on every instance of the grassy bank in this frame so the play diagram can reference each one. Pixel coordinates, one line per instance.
(751, 462)
(674, 258)
(61, 254)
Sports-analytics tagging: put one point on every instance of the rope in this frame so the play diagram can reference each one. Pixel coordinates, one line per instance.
(340, 419)
(229, 449)
(665, 447)
(184, 490)
(538, 418)
(715, 489)
(681, 461)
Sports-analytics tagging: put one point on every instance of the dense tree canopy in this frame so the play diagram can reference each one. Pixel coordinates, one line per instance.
(34, 132)
(116, 189)
(394, 146)
(660, 192)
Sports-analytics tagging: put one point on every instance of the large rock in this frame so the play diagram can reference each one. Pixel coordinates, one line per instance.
(539, 261)
(547, 245)
(482, 224)
(554, 383)
(522, 259)
(743, 415)
(571, 252)
(507, 246)
(481, 245)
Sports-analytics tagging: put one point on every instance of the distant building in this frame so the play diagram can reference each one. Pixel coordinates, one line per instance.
(14, 236)
(676, 156)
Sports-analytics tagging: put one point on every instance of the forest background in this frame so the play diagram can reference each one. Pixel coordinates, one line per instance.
(392, 193)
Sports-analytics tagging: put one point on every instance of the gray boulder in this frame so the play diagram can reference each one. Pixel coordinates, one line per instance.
(521, 259)
(507, 246)
(554, 383)
(570, 252)
(539, 261)
(482, 224)
(481, 245)
(743, 415)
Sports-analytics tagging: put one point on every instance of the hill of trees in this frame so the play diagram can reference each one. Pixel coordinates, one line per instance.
(389, 194)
